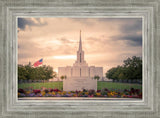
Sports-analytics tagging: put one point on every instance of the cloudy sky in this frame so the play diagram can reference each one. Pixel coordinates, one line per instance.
(105, 41)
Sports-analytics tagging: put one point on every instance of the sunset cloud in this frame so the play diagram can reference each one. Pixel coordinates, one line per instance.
(23, 22)
(105, 41)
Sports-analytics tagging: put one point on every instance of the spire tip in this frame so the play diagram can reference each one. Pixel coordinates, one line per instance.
(80, 43)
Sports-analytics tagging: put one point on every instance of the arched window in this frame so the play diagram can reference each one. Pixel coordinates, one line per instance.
(71, 72)
(80, 57)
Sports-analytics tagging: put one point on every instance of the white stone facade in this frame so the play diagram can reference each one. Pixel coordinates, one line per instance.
(80, 75)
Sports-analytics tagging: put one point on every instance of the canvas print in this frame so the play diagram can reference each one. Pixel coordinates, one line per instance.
(79, 58)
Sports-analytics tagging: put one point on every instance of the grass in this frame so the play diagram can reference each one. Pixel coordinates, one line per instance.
(114, 85)
(100, 85)
(58, 85)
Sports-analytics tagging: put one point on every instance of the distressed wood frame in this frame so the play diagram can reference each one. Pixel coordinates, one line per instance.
(148, 107)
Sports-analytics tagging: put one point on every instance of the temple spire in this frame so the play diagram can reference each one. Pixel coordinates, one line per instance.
(80, 55)
(80, 42)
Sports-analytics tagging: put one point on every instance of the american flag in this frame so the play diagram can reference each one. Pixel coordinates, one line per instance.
(37, 63)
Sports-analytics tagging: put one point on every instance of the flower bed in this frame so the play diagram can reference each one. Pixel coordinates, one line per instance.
(29, 92)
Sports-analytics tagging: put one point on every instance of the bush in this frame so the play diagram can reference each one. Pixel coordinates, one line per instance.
(21, 90)
(36, 91)
(91, 92)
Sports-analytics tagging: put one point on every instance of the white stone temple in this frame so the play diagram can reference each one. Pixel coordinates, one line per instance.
(80, 76)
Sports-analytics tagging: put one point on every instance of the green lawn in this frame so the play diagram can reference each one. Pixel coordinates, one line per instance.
(58, 85)
(100, 85)
(114, 85)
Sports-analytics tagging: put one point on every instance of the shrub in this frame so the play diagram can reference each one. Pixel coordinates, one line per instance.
(56, 90)
(36, 91)
(46, 90)
(98, 91)
(21, 90)
(91, 92)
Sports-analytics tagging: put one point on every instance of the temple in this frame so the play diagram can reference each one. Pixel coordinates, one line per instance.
(80, 75)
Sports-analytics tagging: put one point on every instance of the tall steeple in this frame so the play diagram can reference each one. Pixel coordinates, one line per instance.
(80, 42)
(80, 54)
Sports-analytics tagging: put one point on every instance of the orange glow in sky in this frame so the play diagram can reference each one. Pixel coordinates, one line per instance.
(65, 57)
(105, 41)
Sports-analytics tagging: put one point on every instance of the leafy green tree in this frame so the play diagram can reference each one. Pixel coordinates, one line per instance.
(28, 72)
(41, 73)
(22, 73)
(63, 77)
(111, 74)
(49, 72)
(31, 72)
(133, 68)
(130, 70)
(96, 77)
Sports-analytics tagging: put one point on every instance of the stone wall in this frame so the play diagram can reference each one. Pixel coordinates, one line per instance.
(79, 83)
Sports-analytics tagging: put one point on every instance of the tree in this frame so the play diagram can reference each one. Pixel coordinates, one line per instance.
(22, 73)
(63, 77)
(96, 77)
(113, 73)
(27, 72)
(130, 70)
(133, 68)
(110, 73)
